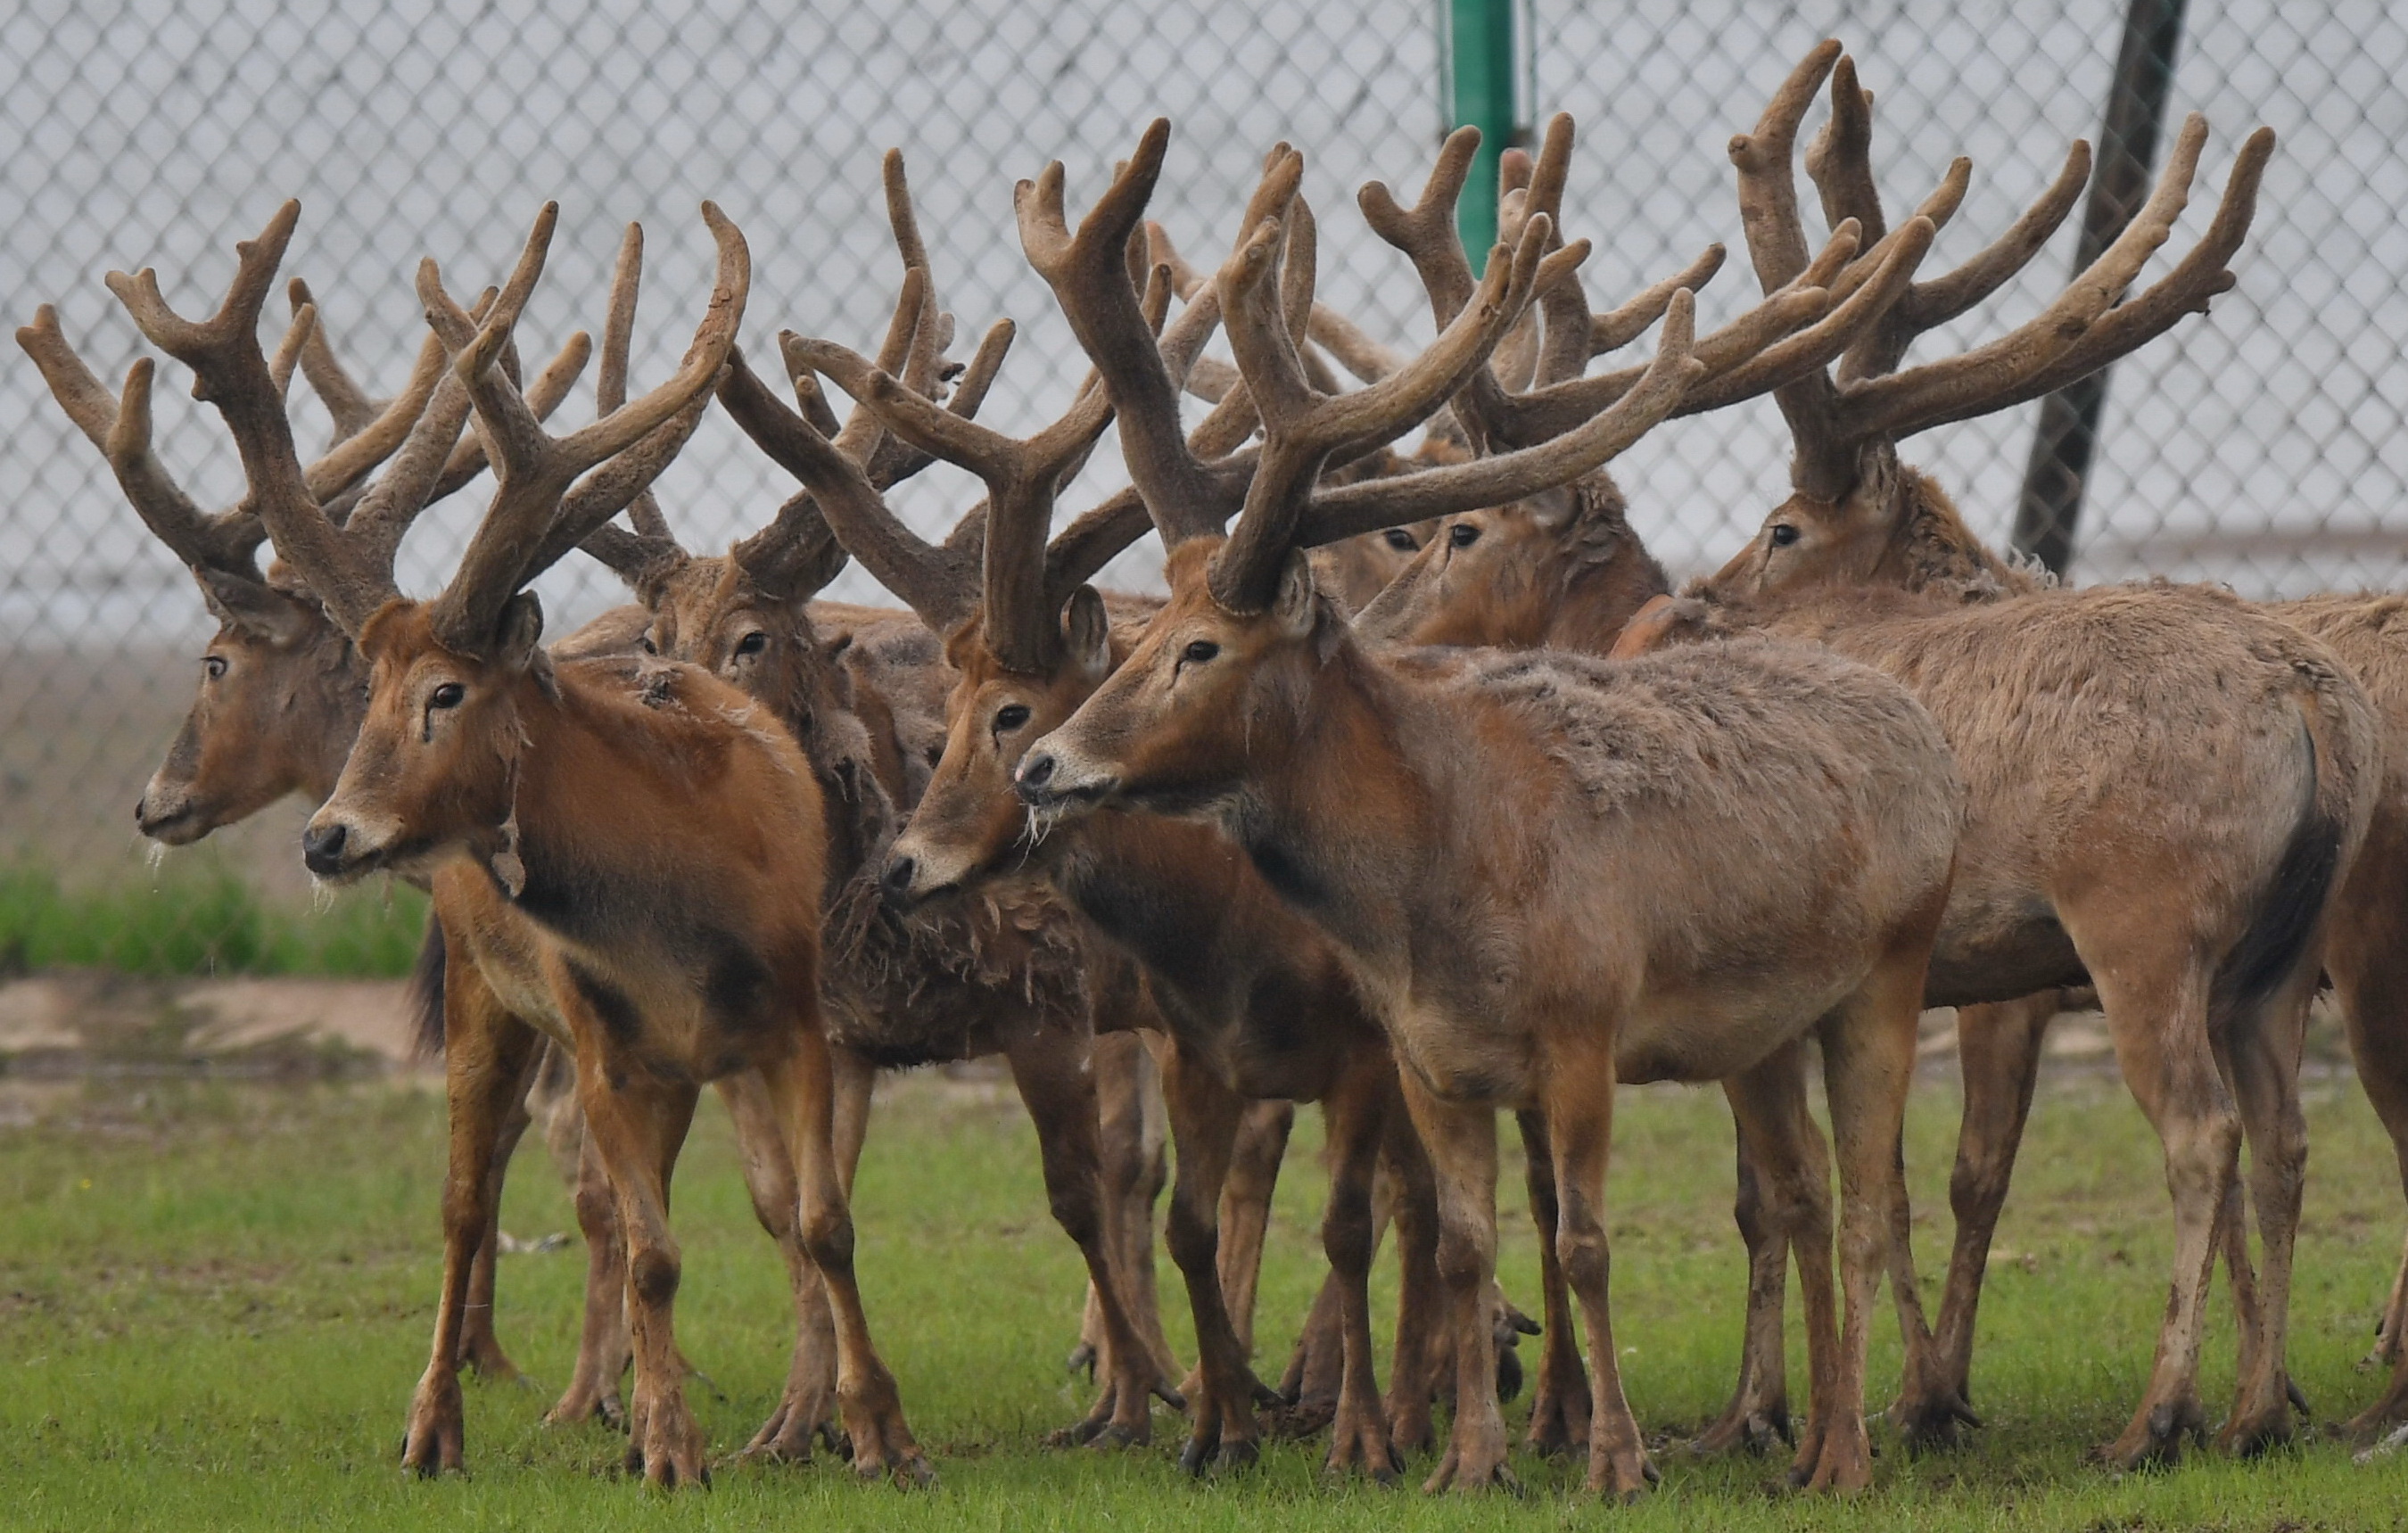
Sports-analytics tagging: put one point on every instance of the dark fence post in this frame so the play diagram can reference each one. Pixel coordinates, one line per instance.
(2068, 418)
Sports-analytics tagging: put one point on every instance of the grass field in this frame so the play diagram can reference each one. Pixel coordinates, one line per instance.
(214, 1302)
(200, 916)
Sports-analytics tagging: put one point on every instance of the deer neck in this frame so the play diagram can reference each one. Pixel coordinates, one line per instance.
(1930, 549)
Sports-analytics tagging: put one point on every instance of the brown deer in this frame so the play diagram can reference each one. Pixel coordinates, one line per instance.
(1257, 1007)
(2166, 787)
(1363, 789)
(282, 692)
(1007, 977)
(1893, 527)
(473, 757)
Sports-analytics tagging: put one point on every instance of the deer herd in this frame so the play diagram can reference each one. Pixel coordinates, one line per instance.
(1419, 795)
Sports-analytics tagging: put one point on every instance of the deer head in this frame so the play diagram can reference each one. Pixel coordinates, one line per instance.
(1233, 651)
(1855, 513)
(281, 687)
(446, 676)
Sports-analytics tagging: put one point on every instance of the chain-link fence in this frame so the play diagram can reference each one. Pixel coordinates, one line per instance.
(2261, 446)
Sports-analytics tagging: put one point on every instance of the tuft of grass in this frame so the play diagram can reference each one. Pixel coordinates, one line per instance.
(203, 919)
(215, 1300)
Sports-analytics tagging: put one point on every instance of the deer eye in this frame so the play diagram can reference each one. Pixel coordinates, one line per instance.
(447, 696)
(214, 667)
(1462, 535)
(1783, 534)
(1009, 717)
(1200, 650)
(1401, 541)
(753, 643)
(645, 643)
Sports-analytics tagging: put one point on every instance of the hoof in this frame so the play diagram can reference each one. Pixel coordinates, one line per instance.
(1935, 1421)
(1459, 1471)
(1757, 1431)
(2153, 1440)
(434, 1442)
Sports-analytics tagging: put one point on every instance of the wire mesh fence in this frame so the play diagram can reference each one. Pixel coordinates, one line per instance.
(2261, 446)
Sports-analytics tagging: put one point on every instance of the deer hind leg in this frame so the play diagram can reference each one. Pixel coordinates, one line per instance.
(2367, 955)
(1559, 1405)
(637, 1123)
(1049, 1064)
(1424, 1352)
(2263, 1047)
(1356, 1112)
(1134, 1169)
(480, 1350)
(604, 1347)
(2157, 1014)
(802, 1087)
(1784, 1206)
(485, 1057)
(1461, 1141)
(1254, 1163)
(1868, 1068)
(1999, 1051)
(1204, 1119)
(807, 1408)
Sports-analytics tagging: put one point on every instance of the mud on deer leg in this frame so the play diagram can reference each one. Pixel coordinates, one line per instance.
(802, 1086)
(485, 1057)
(481, 1349)
(1049, 1064)
(1998, 1050)
(1559, 1405)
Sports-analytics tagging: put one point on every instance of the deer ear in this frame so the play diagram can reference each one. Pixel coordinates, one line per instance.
(1087, 633)
(521, 626)
(260, 611)
(1554, 510)
(1297, 604)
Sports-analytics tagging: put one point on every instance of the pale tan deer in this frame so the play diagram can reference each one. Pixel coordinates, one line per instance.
(1897, 528)
(2166, 787)
(1365, 792)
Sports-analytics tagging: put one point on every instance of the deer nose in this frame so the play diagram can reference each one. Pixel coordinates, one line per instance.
(896, 883)
(321, 848)
(1034, 773)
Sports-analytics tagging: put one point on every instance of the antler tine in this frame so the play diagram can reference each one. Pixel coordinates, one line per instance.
(544, 396)
(1303, 428)
(1352, 510)
(1768, 193)
(1954, 387)
(610, 380)
(227, 543)
(537, 469)
(939, 583)
(1618, 327)
(1186, 498)
(1425, 232)
(281, 365)
(366, 431)
(1805, 354)
(2198, 278)
(613, 486)
(1838, 158)
(345, 400)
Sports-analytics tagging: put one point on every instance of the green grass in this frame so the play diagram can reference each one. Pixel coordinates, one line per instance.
(202, 920)
(214, 1302)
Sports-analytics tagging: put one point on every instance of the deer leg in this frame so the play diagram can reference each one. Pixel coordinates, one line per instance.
(2264, 1053)
(1867, 1069)
(1204, 1121)
(1424, 1349)
(1461, 1141)
(637, 1123)
(1577, 1096)
(2158, 1016)
(1246, 1207)
(1049, 1064)
(1783, 1207)
(1134, 1171)
(1559, 1406)
(809, 1401)
(1998, 1050)
(480, 1350)
(1316, 1366)
(485, 1054)
(604, 1348)
(803, 1087)
(1355, 1110)
(2364, 955)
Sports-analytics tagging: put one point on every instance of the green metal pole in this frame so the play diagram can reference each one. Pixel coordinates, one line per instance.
(1482, 73)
